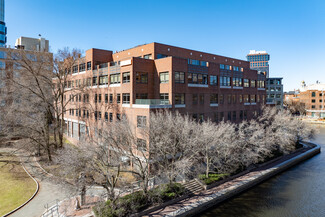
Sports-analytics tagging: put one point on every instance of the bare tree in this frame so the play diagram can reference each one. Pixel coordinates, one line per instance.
(171, 143)
(62, 65)
(29, 101)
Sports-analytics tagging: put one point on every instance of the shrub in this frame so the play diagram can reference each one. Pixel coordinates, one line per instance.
(138, 201)
(212, 178)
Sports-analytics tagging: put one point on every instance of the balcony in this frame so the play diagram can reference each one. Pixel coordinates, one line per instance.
(152, 103)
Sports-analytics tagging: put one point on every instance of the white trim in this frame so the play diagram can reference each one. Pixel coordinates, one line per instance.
(75, 121)
(253, 103)
(68, 88)
(316, 111)
(227, 87)
(270, 103)
(247, 103)
(239, 88)
(260, 88)
(93, 86)
(151, 106)
(83, 72)
(180, 106)
(126, 105)
(214, 104)
(115, 85)
(197, 85)
(103, 86)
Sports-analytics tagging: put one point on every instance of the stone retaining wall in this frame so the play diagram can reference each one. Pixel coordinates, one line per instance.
(244, 185)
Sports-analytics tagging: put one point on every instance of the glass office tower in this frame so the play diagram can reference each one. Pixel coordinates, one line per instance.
(3, 28)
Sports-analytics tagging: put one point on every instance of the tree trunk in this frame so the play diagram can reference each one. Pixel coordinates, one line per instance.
(83, 195)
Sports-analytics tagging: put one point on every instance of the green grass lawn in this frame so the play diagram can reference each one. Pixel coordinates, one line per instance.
(16, 186)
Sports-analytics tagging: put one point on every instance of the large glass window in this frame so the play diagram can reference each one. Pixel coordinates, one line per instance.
(115, 79)
(141, 121)
(82, 67)
(225, 81)
(180, 77)
(88, 65)
(196, 78)
(75, 69)
(237, 82)
(213, 98)
(141, 77)
(164, 77)
(246, 82)
(126, 77)
(126, 98)
(179, 98)
(103, 80)
(213, 80)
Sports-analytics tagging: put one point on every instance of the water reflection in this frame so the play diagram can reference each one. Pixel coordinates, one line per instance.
(299, 191)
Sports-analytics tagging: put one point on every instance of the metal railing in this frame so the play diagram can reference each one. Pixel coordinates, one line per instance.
(152, 101)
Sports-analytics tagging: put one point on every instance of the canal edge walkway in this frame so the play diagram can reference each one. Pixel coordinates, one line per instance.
(200, 202)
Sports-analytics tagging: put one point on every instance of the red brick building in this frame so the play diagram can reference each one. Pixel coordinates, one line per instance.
(136, 81)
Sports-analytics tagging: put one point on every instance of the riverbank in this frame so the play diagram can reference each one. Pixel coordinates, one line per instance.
(206, 199)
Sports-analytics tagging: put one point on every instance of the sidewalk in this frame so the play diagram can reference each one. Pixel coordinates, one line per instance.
(49, 191)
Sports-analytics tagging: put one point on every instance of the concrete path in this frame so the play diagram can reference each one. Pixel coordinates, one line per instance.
(49, 190)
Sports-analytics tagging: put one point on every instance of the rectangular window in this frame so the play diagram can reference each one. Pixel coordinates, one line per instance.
(103, 80)
(260, 84)
(246, 98)
(196, 78)
(111, 117)
(141, 96)
(221, 116)
(106, 98)
(164, 96)
(88, 65)
(82, 67)
(222, 66)
(141, 121)
(99, 115)
(201, 99)
(106, 116)
(115, 79)
(75, 69)
(118, 98)
(246, 82)
(194, 99)
(213, 80)
(148, 56)
(164, 77)
(141, 78)
(234, 99)
(126, 77)
(313, 94)
(141, 145)
(213, 98)
(229, 116)
(253, 83)
(94, 81)
(313, 101)
(110, 98)
(225, 81)
(234, 115)
(253, 98)
(126, 98)
(221, 99)
(180, 77)
(194, 62)
(95, 98)
(99, 98)
(237, 82)
(179, 98)
(229, 99)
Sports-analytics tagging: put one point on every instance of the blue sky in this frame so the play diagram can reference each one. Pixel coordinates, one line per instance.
(291, 31)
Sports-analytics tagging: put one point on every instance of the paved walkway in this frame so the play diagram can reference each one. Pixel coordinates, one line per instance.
(49, 190)
(226, 188)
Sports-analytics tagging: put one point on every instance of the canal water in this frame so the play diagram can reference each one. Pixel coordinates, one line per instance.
(299, 191)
